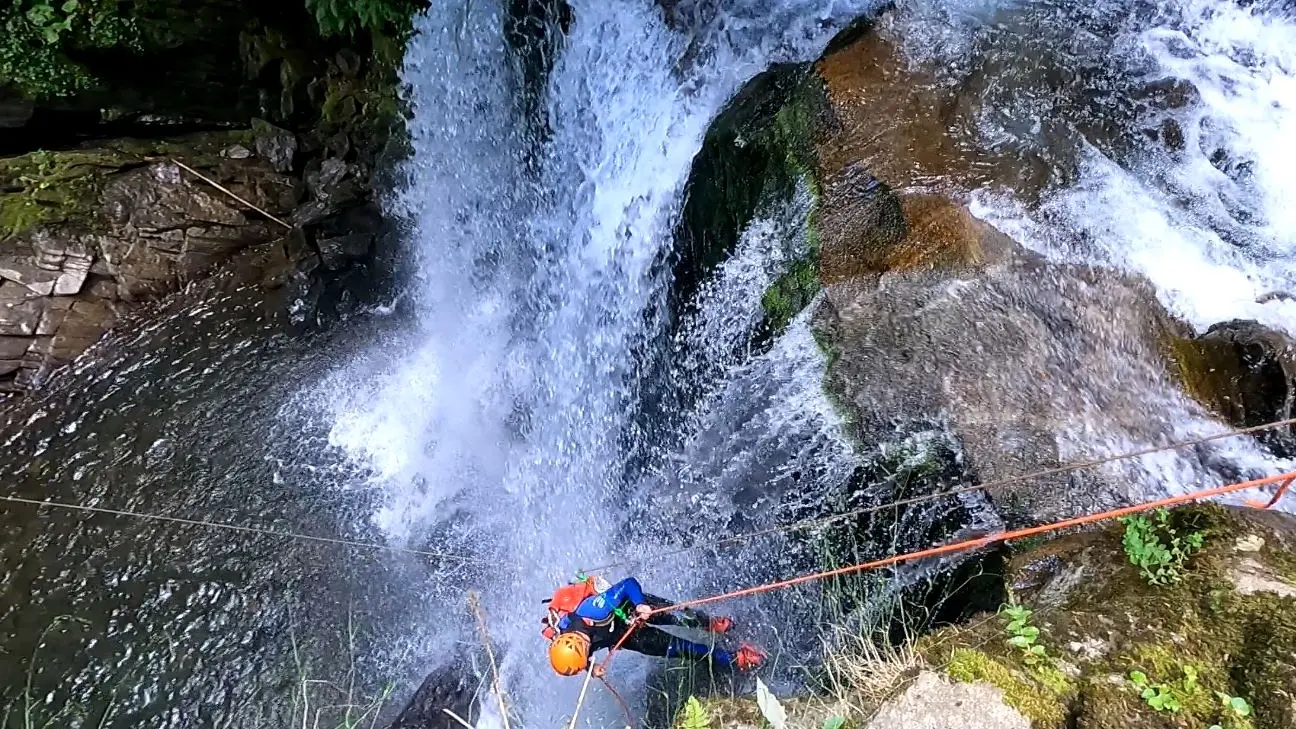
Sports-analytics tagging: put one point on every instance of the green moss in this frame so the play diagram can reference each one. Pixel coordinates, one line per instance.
(1167, 664)
(790, 294)
(46, 187)
(1036, 701)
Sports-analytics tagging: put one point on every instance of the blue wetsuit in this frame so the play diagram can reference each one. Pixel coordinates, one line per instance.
(604, 618)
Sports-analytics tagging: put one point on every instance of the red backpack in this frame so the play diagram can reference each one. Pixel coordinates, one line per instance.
(564, 600)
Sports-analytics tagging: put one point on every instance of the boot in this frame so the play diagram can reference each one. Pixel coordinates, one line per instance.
(720, 625)
(749, 657)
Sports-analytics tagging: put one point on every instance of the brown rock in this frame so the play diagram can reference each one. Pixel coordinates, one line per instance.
(20, 310)
(1240, 369)
(24, 271)
(56, 310)
(84, 324)
(14, 347)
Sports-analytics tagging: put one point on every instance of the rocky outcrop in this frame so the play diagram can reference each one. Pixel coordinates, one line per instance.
(755, 155)
(1013, 357)
(87, 235)
(1243, 371)
(1209, 642)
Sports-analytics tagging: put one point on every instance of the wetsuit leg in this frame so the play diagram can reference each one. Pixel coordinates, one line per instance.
(653, 642)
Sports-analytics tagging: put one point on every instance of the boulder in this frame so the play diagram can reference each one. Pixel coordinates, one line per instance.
(1013, 357)
(1242, 370)
(933, 701)
(277, 146)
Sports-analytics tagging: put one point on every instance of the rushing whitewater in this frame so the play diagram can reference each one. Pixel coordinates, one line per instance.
(507, 425)
(541, 283)
(500, 413)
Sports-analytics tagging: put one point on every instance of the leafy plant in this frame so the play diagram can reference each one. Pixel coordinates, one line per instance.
(1157, 695)
(834, 722)
(39, 37)
(695, 715)
(1156, 547)
(1022, 635)
(1236, 711)
(349, 17)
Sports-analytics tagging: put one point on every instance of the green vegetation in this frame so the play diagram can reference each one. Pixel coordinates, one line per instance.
(1043, 707)
(41, 37)
(350, 17)
(1159, 696)
(1156, 547)
(46, 187)
(48, 47)
(788, 295)
(1236, 712)
(1024, 636)
(695, 715)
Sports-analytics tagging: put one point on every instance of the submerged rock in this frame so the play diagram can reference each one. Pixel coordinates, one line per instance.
(451, 688)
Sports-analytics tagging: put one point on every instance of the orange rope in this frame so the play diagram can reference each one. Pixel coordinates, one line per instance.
(1285, 479)
(1069, 468)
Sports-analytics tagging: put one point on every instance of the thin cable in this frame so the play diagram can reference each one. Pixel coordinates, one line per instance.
(247, 529)
(809, 523)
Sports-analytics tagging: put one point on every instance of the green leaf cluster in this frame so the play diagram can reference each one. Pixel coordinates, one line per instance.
(1022, 635)
(695, 715)
(349, 17)
(1157, 548)
(1236, 712)
(39, 40)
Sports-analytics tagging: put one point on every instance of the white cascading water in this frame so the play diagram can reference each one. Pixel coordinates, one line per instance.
(500, 426)
(1208, 222)
(505, 417)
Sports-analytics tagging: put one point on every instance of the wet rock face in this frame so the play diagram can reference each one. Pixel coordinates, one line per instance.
(1243, 371)
(1013, 357)
(450, 688)
(88, 234)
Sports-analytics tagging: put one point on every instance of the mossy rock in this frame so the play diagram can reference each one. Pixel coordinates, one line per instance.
(63, 187)
(758, 153)
(1211, 632)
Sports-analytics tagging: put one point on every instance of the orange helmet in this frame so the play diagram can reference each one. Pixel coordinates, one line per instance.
(569, 653)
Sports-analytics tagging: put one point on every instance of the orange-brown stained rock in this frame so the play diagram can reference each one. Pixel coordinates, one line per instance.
(895, 120)
(940, 233)
(896, 124)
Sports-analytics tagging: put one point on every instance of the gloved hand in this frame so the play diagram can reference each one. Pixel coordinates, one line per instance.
(642, 612)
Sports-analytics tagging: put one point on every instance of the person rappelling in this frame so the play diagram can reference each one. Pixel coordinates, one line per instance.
(591, 615)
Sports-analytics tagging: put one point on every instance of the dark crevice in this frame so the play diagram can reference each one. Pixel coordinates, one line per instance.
(57, 130)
